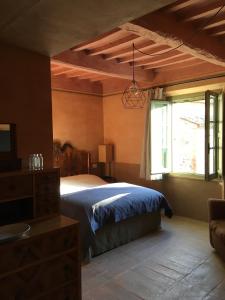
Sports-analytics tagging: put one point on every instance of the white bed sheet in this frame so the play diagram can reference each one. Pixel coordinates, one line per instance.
(76, 183)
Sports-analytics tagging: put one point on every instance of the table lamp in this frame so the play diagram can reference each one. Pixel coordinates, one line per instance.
(105, 155)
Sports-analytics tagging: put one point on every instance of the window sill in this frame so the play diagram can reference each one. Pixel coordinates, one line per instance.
(191, 176)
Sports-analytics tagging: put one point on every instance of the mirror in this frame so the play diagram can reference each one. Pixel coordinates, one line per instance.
(7, 141)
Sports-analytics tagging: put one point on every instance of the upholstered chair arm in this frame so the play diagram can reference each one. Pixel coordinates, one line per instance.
(216, 209)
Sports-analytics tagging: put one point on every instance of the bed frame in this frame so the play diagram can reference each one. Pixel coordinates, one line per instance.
(117, 234)
(111, 235)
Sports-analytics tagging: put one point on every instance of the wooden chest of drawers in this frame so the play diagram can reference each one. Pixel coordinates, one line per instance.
(14, 186)
(43, 265)
(26, 195)
(46, 190)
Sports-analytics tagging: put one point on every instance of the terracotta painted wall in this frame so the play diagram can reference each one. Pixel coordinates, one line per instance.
(189, 196)
(26, 100)
(78, 118)
(124, 128)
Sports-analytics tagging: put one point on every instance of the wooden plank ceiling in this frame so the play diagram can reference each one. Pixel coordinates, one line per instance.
(184, 40)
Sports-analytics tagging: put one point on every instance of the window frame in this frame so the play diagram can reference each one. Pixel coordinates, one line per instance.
(219, 125)
(208, 147)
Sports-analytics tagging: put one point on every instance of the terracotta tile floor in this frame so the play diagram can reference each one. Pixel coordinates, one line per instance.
(174, 263)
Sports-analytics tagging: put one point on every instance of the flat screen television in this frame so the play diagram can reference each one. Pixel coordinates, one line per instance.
(7, 141)
(8, 153)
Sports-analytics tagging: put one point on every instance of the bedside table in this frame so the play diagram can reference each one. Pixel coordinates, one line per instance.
(109, 179)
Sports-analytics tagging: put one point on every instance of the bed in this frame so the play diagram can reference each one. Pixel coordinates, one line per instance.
(112, 214)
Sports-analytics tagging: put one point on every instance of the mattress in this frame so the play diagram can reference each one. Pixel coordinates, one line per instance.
(76, 183)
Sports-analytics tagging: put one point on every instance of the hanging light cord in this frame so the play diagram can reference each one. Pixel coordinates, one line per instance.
(177, 47)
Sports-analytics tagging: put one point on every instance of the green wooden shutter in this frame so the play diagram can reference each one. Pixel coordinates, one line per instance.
(160, 137)
(211, 135)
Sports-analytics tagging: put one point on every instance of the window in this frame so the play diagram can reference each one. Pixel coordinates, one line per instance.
(186, 135)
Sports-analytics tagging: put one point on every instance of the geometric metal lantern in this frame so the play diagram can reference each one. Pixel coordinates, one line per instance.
(133, 96)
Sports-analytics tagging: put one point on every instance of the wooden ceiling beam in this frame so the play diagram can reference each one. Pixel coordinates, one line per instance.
(164, 78)
(76, 85)
(80, 60)
(160, 59)
(53, 66)
(220, 34)
(144, 46)
(202, 71)
(62, 72)
(115, 45)
(219, 20)
(99, 79)
(103, 38)
(84, 77)
(216, 30)
(156, 52)
(88, 76)
(76, 74)
(65, 70)
(181, 4)
(163, 28)
(181, 65)
(56, 67)
(197, 12)
(168, 62)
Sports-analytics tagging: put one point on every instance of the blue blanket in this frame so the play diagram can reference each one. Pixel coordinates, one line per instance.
(112, 203)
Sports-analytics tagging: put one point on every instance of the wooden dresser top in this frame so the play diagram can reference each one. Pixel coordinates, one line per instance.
(25, 172)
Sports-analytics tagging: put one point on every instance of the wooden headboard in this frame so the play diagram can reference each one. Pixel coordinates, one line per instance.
(70, 160)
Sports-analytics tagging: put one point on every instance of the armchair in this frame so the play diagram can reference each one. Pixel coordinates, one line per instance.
(217, 225)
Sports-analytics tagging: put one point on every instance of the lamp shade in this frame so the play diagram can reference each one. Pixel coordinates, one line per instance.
(105, 153)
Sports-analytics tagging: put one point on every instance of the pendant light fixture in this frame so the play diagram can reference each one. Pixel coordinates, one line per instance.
(133, 96)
